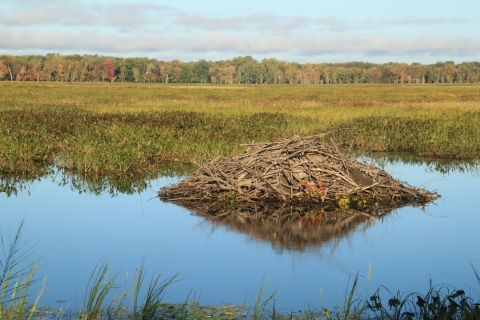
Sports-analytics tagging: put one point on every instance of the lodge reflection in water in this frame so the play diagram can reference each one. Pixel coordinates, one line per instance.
(289, 227)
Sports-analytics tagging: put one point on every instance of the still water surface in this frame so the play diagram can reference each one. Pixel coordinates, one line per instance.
(221, 263)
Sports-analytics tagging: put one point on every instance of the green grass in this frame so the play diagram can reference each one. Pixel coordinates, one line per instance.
(135, 143)
(142, 128)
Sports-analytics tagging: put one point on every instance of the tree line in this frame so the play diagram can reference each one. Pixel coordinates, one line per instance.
(245, 70)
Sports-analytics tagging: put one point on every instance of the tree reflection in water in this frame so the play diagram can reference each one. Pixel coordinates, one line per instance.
(113, 183)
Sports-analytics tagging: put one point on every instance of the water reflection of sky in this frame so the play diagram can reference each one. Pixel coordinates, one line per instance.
(405, 250)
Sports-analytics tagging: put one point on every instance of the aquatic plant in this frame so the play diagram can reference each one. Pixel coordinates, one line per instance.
(16, 280)
(440, 302)
(353, 306)
(260, 306)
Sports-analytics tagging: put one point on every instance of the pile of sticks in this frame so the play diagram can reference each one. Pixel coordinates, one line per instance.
(299, 170)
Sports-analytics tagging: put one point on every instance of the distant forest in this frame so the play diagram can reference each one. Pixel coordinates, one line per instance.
(246, 70)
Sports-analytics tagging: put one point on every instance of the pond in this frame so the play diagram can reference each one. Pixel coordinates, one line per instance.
(74, 225)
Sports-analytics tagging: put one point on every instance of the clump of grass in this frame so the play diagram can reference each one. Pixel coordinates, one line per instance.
(259, 308)
(99, 305)
(15, 281)
(353, 306)
(98, 287)
(152, 302)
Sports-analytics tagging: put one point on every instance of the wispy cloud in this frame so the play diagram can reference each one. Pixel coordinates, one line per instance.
(126, 27)
(69, 13)
(142, 16)
(425, 21)
(260, 23)
(95, 41)
(139, 15)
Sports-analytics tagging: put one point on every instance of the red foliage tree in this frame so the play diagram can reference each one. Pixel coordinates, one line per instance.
(109, 69)
(95, 71)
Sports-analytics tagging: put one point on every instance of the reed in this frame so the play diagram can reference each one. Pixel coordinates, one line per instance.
(99, 286)
(152, 303)
(353, 307)
(15, 281)
(260, 305)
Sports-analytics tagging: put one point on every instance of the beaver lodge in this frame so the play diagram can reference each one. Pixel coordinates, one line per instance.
(301, 170)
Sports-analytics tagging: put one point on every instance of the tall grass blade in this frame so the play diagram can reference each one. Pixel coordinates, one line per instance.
(136, 286)
(98, 287)
(476, 273)
(259, 307)
(14, 280)
(154, 296)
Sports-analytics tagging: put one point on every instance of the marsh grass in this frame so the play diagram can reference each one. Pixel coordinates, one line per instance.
(353, 306)
(455, 136)
(108, 128)
(152, 302)
(261, 302)
(16, 280)
(98, 287)
(82, 141)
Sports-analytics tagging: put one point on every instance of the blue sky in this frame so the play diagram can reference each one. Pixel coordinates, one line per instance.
(304, 31)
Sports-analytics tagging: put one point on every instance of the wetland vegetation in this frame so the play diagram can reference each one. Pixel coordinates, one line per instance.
(111, 137)
(143, 128)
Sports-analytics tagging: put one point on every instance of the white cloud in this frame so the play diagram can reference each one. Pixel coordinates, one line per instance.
(70, 13)
(234, 44)
(425, 21)
(259, 23)
(136, 17)
(126, 28)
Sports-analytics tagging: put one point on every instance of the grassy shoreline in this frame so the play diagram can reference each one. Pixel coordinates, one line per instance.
(140, 299)
(128, 128)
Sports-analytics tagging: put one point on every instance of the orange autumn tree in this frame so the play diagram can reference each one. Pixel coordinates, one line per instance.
(9, 63)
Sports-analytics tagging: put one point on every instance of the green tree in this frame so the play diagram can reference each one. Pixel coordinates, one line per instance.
(201, 71)
(122, 73)
(137, 75)
(149, 74)
(184, 76)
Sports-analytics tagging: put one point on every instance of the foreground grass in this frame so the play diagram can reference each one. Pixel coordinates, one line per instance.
(440, 302)
(108, 128)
